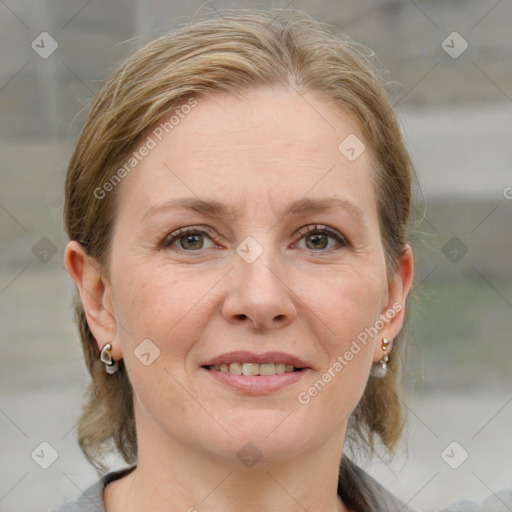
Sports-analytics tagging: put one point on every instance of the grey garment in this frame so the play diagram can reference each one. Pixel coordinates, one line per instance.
(499, 502)
(362, 493)
(91, 500)
(358, 490)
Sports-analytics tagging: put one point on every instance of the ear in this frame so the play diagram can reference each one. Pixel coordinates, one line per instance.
(393, 313)
(95, 294)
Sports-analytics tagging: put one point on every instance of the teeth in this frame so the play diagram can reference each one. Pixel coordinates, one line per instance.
(267, 369)
(253, 368)
(235, 368)
(280, 367)
(250, 369)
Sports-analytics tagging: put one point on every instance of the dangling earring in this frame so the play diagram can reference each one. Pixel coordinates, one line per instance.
(381, 368)
(106, 357)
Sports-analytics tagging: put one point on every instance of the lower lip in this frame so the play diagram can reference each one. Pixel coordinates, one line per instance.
(257, 384)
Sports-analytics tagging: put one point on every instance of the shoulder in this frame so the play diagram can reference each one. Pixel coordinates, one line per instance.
(499, 502)
(91, 500)
(359, 491)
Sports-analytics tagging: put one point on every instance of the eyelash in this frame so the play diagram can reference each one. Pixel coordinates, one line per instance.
(203, 230)
(324, 230)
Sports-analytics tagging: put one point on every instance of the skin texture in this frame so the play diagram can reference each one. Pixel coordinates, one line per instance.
(259, 154)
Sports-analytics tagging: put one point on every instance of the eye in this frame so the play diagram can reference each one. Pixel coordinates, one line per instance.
(188, 239)
(192, 238)
(320, 238)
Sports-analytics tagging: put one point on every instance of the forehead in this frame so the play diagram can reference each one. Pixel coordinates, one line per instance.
(269, 145)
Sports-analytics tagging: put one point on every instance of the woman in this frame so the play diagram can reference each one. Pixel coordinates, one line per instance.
(238, 205)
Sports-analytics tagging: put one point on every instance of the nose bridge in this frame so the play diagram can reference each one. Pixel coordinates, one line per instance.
(263, 275)
(258, 256)
(258, 290)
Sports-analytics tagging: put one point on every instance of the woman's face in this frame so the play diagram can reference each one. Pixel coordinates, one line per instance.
(247, 237)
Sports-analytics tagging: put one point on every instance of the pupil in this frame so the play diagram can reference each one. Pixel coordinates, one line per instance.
(192, 242)
(319, 241)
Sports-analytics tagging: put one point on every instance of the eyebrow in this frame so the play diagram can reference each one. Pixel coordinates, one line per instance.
(216, 208)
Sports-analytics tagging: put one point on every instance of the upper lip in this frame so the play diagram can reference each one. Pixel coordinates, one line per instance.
(242, 356)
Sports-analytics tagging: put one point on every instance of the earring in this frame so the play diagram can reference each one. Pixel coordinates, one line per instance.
(381, 368)
(106, 357)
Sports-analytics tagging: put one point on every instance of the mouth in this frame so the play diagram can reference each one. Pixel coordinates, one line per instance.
(256, 374)
(251, 369)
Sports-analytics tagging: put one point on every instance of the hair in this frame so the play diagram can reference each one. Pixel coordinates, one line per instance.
(234, 53)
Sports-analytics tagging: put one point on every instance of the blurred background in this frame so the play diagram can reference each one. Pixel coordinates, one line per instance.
(450, 64)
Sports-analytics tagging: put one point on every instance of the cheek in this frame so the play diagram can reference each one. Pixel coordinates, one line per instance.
(346, 303)
(161, 304)
(348, 309)
(345, 316)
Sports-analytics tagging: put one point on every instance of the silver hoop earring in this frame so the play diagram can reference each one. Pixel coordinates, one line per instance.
(380, 370)
(106, 357)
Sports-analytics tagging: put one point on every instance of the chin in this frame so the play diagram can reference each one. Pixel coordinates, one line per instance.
(263, 451)
(265, 437)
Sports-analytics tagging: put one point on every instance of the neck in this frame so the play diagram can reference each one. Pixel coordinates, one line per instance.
(172, 476)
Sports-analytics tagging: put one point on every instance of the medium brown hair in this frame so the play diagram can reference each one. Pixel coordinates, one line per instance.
(232, 53)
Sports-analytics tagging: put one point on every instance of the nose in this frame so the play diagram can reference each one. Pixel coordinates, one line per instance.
(259, 296)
